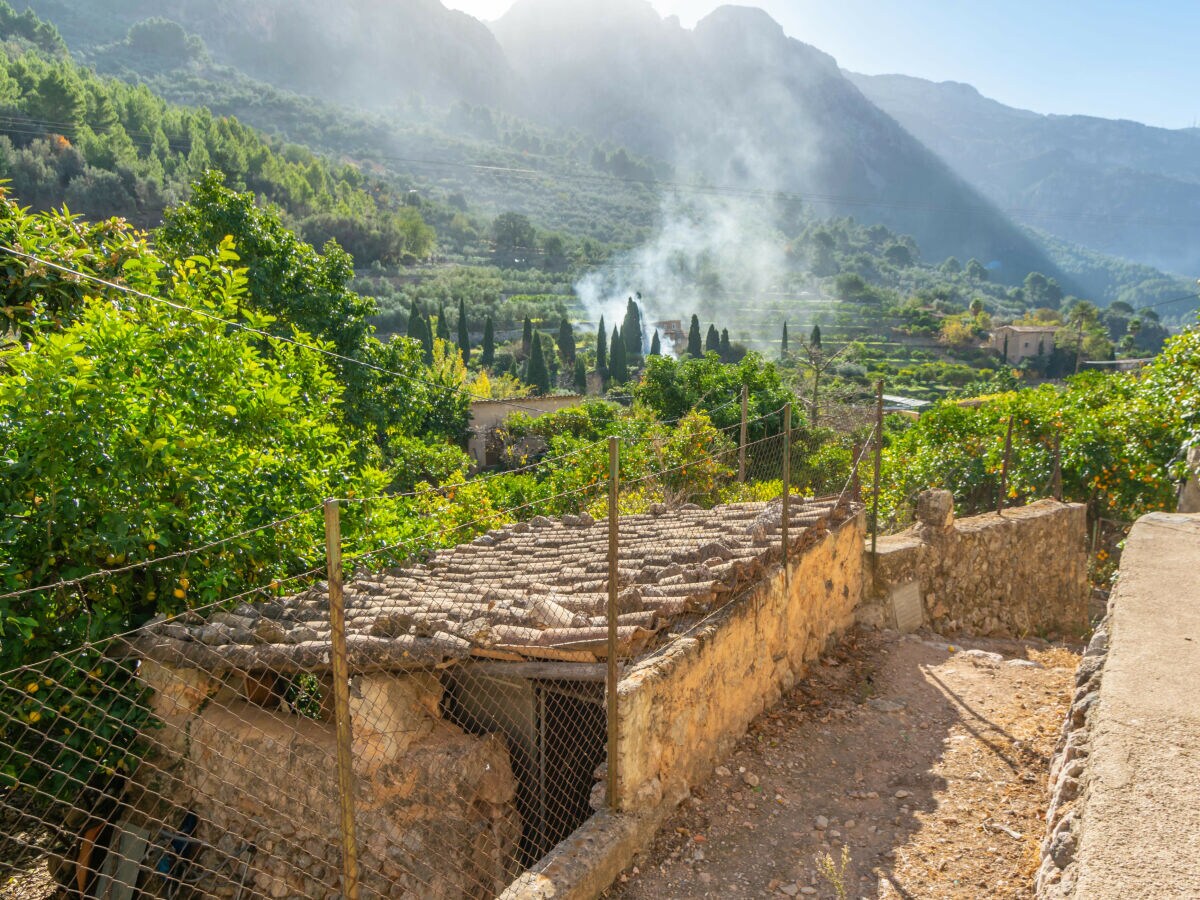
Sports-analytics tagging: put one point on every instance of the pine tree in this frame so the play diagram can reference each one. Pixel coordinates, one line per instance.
(536, 374)
(416, 325)
(815, 339)
(488, 358)
(695, 348)
(712, 341)
(783, 350)
(566, 342)
(464, 336)
(580, 376)
(726, 350)
(631, 331)
(443, 326)
(601, 349)
(616, 363)
(527, 338)
(655, 345)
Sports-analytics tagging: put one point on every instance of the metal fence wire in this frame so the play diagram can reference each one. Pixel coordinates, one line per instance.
(404, 722)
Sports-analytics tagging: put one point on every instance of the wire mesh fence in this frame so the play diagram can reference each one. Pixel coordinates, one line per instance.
(420, 717)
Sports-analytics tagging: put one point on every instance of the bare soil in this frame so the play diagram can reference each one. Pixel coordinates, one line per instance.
(926, 761)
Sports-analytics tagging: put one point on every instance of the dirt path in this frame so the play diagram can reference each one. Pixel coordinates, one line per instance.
(926, 761)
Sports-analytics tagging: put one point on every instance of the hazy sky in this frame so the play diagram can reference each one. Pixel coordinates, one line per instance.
(1111, 58)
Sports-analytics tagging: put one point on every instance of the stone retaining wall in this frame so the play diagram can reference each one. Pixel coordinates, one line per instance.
(681, 710)
(1124, 815)
(1012, 575)
(435, 807)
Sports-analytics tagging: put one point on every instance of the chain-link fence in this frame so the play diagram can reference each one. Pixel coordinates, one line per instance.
(420, 718)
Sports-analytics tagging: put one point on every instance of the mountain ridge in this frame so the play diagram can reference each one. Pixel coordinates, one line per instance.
(1113, 185)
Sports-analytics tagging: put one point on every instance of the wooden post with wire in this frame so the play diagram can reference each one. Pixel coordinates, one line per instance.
(1004, 468)
(786, 512)
(1056, 486)
(611, 679)
(341, 698)
(878, 470)
(742, 439)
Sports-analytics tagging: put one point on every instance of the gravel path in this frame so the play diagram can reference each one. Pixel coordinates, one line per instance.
(926, 761)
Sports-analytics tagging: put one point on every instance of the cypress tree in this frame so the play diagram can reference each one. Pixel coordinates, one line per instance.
(580, 376)
(616, 361)
(726, 351)
(712, 341)
(566, 342)
(536, 374)
(427, 340)
(655, 345)
(443, 326)
(527, 338)
(464, 336)
(551, 359)
(695, 348)
(631, 331)
(815, 338)
(415, 324)
(601, 349)
(783, 350)
(488, 359)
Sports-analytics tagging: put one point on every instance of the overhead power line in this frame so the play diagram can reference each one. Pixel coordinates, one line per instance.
(126, 289)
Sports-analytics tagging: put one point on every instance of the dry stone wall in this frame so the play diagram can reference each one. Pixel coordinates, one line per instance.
(435, 807)
(1020, 573)
(681, 709)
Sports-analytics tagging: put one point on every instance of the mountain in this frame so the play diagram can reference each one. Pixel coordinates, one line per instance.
(737, 102)
(1117, 187)
(368, 53)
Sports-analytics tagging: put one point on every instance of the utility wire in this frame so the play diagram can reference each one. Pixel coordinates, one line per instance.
(250, 330)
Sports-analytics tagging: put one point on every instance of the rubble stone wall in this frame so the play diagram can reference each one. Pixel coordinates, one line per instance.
(681, 709)
(435, 807)
(1012, 575)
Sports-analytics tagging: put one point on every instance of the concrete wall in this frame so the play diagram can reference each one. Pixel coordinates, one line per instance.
(1017, 574)
(1124, 815)
(681, 710)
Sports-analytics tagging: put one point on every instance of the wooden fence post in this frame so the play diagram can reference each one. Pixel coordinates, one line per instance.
(878, 468)
(787, 483)
(341, 698)
(611, 681)
(742, 439)
(1004, 468)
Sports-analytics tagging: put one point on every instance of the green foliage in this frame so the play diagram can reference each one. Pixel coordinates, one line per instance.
(694, 347)
(288, 279)
(566, 342)
(601, 349)
(1118, 435)
(537, 375)
(618, 367)
(656, 344)
(631, 332)
(110, 148)
(464, 334)
(209, 434)
(488, 354)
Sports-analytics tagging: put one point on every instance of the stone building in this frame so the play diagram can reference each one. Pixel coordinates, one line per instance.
(1019, 342)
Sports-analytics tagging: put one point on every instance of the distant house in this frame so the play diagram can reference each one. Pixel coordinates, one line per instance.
(488, 415)
(672, 330)
(1018, 342)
